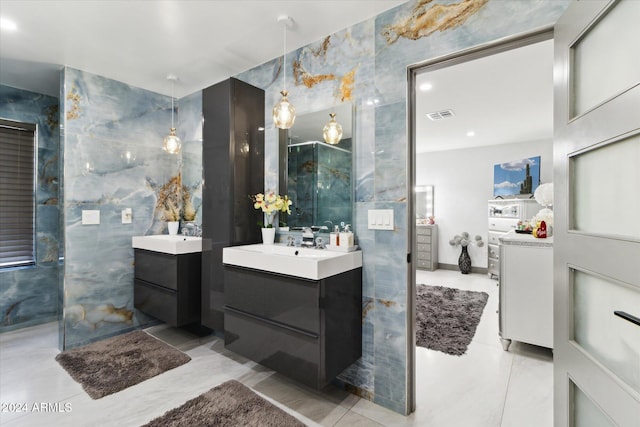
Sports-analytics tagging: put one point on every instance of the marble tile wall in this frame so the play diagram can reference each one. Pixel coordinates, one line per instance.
(113, 159)
(366, 64)
(28, 295)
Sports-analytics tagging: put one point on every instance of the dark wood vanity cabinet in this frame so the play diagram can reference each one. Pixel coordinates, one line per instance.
(308, 330)
(167, 286)
(233, 169)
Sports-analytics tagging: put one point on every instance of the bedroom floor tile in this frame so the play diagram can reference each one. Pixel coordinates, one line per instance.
(485, 387)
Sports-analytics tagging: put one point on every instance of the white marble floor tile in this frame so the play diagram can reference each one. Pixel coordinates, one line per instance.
(39, 336)
(467, 390)
(381, 415)
(324, 407)
(485, 387)
(352, 419)
(529, 401)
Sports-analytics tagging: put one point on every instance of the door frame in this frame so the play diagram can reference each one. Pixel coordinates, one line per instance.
(466, 55)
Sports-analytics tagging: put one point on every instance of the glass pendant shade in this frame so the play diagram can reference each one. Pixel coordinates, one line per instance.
(172, 143)
(283, 113)
(332, 131)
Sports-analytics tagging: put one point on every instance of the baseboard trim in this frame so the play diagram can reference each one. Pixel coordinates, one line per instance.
(454, 267)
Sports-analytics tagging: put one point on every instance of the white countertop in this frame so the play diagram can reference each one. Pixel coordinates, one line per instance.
(518, 239)
(306, 263)
(168, 244)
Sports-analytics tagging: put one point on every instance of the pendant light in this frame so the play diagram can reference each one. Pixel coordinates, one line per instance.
(332, 131)
(283, 112)
(172, 143)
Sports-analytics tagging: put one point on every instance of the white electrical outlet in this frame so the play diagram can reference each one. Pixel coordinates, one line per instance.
(127, 216)
(90, 217)
(380, 219)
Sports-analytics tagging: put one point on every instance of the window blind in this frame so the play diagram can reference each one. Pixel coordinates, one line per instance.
(17, 193)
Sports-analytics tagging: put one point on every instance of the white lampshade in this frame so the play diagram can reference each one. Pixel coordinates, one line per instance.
(544, 194)
(332, 131)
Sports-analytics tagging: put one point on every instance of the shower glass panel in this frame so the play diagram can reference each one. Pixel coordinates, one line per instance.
(319, 184)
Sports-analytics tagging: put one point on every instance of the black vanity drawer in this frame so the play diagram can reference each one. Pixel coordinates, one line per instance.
(156, 267)
(155, 301)
(283, 299)
(291, 353)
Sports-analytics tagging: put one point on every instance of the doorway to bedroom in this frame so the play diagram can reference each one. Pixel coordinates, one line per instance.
(469, 113)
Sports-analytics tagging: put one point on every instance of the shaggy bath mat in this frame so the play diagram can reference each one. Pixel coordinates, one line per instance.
(229, 404)
(446, 318)
(108, 366)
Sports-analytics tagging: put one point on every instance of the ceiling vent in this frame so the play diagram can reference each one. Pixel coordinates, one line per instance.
(439, 115)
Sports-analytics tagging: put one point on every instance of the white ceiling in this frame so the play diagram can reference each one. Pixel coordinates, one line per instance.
(139, 42)
(502, 98)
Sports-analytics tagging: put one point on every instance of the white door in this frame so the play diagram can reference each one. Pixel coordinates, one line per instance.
(597, 215)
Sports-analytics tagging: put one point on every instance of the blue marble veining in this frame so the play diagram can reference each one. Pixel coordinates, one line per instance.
(111, 144)
(378, 89)
(114, 160)
(190, 132)
(28, 295)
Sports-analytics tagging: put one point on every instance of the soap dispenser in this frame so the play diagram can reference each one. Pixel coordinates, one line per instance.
(334, 237)
(346, 237)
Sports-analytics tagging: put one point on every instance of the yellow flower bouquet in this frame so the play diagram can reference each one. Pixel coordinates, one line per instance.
(270, 204)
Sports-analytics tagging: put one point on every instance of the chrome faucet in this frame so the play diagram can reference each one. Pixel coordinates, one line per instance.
(307, 237)
(192, 230)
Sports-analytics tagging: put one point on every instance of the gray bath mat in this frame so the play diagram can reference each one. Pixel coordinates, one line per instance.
(447, 318)
(108, 366)
(229, 404)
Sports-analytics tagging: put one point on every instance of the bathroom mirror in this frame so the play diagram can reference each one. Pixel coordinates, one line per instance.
(315, 175)
(424, 203)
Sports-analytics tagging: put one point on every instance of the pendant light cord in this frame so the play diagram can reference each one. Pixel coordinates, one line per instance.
(284, 58)
(173, 85)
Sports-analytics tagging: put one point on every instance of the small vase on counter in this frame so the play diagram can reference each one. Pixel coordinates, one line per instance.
(173, 227)
(268, 236)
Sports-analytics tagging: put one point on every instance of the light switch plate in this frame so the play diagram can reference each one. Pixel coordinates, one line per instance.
(126, 216)
(90, 217)
(380, 219)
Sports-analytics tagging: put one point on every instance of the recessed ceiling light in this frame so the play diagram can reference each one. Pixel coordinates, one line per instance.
(471, 133)
(7, 24)
(426, 86)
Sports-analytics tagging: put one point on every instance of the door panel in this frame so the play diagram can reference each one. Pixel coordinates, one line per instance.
(585, 413)
(604, 183)
(596, 58)
(611, 340)
(596, 206)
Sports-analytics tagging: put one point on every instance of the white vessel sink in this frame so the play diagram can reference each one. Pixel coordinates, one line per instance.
(168, 244)
(307, 263)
